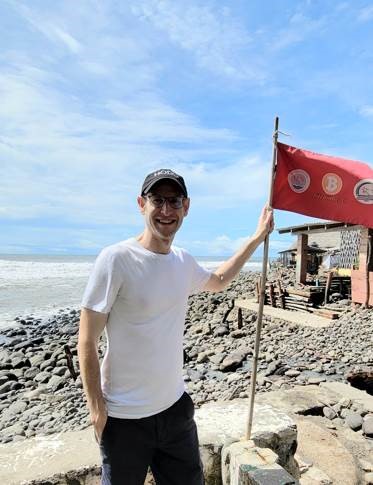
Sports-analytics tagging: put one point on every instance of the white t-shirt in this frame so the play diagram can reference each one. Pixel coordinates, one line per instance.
(146, 296)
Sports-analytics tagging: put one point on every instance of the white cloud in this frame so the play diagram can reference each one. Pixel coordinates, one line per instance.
(61, 160)
(366, 14)
(366, 110)
(48, 28)
(217, 40)
(299, 27)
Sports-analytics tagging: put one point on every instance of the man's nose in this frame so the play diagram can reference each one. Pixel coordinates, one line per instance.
(166, 208)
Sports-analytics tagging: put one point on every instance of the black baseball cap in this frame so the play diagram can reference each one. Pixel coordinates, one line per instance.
(163, 174)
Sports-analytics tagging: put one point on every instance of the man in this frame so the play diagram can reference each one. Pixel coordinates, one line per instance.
(138, 293)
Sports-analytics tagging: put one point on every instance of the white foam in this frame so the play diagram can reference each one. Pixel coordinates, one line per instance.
(26, 272)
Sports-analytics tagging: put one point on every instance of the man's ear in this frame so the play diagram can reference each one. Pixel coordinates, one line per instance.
(186, 205)
(141, 203)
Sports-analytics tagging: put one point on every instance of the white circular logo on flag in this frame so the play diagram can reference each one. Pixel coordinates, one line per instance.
(331, 183)
(299, 180)
(363, 191)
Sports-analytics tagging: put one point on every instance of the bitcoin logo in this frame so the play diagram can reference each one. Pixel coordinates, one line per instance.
(331, 183)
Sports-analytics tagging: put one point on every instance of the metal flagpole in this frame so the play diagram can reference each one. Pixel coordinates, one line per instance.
(262, 292)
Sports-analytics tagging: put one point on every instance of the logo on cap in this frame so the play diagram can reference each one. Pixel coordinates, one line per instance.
(164, 172)
(299, 180)
(363, 191)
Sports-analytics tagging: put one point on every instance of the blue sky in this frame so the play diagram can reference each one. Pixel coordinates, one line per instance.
(96, 94)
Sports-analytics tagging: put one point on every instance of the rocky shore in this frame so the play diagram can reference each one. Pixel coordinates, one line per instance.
(41, 390)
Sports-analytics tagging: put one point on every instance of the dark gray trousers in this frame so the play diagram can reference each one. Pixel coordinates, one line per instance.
(167, 442)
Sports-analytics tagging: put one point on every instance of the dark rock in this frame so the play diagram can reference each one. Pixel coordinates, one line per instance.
(7, 386)
(29, 343)
(19, 363)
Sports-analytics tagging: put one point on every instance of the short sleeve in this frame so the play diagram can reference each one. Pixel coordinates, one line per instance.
(199, 276)
(104, 282)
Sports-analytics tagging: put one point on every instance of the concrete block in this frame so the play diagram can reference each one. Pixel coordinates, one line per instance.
(244, 464)
(223, 423)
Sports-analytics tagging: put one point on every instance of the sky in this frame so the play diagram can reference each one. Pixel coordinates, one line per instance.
(96, 94)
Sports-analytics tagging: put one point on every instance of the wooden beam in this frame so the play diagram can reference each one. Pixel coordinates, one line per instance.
(301, 269)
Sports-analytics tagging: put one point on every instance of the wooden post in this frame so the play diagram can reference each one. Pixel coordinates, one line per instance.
(239, 318)
(301, 269)
(281, 294)
(262, 293)
(327, 286)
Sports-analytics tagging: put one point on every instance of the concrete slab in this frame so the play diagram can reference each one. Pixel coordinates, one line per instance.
(44, 456)
(76, 453)
(223, 423)
(299, 318)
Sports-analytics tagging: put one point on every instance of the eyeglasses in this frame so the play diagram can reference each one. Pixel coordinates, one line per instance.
(158, 201)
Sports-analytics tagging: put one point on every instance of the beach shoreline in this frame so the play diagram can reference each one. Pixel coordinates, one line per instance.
(39, 393)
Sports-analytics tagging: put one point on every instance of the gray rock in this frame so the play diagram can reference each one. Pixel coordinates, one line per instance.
(60, 371)
(19, 362)
(7, 386)
(55, 383)
(233, 360)
(292, 373)
(272, 367)
(316, 380)
(217, 358)
(221, 330)
(16, 429)
(31, 373)
(47, 363)
(14, 409)
(329, 413)
(354, 421)
(368, 425)
(29, 343)
(37, 359)
(42, 377)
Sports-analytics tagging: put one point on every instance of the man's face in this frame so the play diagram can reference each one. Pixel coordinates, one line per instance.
(163, 222)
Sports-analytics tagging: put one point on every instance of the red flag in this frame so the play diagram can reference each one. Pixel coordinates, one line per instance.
(322, 186)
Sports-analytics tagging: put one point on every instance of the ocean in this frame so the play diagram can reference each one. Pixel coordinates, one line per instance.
(40, 285)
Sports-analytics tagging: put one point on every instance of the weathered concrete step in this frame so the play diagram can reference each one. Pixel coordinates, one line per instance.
(41, 458)
(245, 464)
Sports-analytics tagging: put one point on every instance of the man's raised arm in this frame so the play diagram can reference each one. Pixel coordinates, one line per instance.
(230, 268)
(91, 326)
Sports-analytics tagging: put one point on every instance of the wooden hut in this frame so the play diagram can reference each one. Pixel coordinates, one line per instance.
(355, 259)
